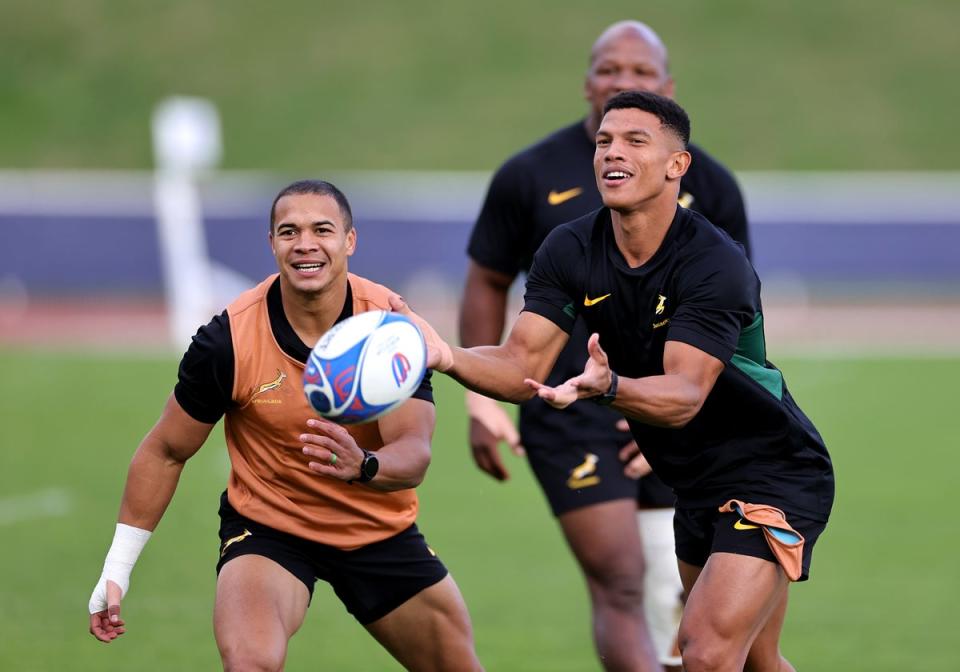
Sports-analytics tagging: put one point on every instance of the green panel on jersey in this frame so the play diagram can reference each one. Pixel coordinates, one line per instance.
(570, 310)
(751, 358)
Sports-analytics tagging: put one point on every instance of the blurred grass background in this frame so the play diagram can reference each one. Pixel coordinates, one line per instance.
(306, 86)
(882, 595)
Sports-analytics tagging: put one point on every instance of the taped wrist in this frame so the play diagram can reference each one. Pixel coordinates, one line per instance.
(128, 542)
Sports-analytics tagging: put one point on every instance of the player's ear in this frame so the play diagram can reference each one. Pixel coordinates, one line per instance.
(669, 88)
(351, 241)
(678, 164)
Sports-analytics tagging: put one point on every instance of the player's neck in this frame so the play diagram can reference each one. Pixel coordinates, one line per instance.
(639, 233)
(591, 125)
(312, 314)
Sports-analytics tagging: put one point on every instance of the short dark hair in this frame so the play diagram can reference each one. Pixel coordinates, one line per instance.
(320, 188)
(665, 109)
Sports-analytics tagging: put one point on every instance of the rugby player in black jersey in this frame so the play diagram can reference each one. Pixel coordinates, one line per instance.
(677, 346)
(586, 465)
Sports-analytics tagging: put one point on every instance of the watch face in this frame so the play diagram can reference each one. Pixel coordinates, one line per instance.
(369, 466)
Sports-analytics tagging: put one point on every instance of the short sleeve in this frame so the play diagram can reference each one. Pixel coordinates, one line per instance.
(425, 391)
(204, 386)
(718, 295)
(553, 280)
(505, 221)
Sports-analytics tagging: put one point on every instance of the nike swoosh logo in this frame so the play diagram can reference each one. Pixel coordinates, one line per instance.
(592, 302)
(558, 197)
(740, 525)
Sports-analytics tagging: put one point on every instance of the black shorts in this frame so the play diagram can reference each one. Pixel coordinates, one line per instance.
(700, 532)
(574, 476)
(371, 581)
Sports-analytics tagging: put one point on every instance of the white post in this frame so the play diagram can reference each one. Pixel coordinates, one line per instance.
(186, 141)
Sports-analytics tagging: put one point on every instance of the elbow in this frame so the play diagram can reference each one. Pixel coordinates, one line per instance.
(683, 414)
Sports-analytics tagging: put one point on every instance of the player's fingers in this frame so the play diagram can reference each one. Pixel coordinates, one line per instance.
(637, 467)
(398, 305)
(629, 451)
(98, 625)
(114, 594)
(488, 460)
(623, 425)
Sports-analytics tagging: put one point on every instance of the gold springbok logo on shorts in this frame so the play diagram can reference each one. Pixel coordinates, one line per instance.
(584, 474)
(232, 540)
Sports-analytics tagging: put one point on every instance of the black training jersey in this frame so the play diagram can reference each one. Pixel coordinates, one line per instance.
(750, 441)
(204, 387)
(548, 184)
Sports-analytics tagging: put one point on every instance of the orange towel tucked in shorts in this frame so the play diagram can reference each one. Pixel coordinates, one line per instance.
(785, 542)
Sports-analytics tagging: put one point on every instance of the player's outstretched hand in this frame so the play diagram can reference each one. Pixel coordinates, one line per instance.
(593, 382)
(335, 453)
(489, 425)
(439, 353)
(106, 624)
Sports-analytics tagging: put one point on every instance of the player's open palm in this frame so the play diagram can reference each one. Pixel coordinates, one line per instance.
(593, 382)
(106, 624)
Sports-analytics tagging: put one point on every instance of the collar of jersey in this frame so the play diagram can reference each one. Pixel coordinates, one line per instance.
(286, 337)
(616, 256)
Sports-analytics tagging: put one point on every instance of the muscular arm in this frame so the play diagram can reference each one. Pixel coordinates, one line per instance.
(484, 305)
(405, 455)
(671, 400)
(531, 348)
(155, 468)
(675, 398)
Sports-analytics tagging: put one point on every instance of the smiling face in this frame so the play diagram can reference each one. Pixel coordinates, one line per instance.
(311, 241)
(637, 160)
(627, 57)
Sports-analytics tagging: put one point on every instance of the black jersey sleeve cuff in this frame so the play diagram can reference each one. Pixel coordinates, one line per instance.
(721, 351)
(425, 390)
(195, 409)
(562, 317)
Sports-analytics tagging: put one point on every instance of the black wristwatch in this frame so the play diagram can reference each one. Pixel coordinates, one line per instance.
(607, 397)
(369, 467)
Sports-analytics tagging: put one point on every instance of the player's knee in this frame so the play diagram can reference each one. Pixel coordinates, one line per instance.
(702, 655)
(241, 656)
(705, 651)
(621, 591)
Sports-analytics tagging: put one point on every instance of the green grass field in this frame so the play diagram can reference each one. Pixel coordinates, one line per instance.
(882, 595)
(306, 87)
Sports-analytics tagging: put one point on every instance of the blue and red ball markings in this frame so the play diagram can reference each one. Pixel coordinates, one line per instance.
(401, 368)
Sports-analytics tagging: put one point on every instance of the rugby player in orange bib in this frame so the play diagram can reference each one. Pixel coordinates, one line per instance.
(306, 498)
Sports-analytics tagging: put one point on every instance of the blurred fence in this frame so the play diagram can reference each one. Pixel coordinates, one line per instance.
(862, 237)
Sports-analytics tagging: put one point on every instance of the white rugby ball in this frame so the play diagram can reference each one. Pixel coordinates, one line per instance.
(364, 367)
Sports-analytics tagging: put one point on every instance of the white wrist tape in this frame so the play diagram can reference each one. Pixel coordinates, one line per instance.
(127, 544)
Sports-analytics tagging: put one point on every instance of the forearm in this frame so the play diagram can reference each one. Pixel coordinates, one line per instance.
(664, 401)
(493, 372)
(151, 481)
(403, 465)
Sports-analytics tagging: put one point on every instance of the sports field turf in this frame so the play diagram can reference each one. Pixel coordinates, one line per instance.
(882, 596)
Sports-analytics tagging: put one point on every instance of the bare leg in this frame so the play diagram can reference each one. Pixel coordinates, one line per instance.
(430, 632)
(732, 600)
(606, 542)
(259, 606)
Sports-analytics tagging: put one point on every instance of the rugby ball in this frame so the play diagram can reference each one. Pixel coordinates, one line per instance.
(364, 367)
